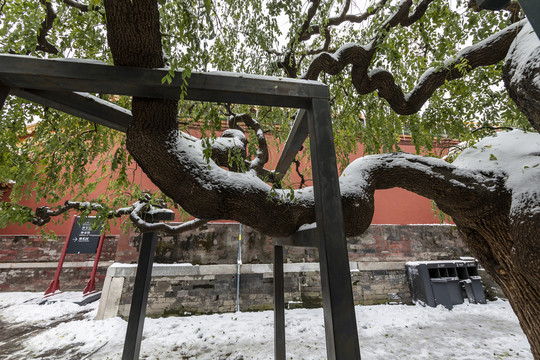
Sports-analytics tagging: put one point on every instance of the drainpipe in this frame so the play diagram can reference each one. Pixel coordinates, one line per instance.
(239, 264)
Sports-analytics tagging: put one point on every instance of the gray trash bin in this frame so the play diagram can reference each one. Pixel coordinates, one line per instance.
(472, 282)
(444, 282)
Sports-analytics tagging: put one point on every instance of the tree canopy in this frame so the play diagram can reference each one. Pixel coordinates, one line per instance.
(272, 38)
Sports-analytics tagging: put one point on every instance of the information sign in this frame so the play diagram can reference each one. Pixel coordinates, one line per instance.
(84, 240)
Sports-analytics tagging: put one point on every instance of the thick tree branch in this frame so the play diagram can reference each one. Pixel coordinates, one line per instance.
(452, 188)
(307, 30)
(521, 77)
(226, 148)
(487, 52)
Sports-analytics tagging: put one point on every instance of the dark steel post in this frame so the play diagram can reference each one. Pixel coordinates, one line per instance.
(4, 92)
(338, 304)
(137, 312)
(279, 305)
(532, 10)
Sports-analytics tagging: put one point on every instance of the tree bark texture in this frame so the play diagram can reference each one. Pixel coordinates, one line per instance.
(521, 74)
(506, 244)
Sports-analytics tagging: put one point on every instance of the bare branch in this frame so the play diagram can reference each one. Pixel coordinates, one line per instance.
(142, 207)
(310, 14)
(136, 213)
(343, 17)
(77, 5)
(46, 25)
(302, 178)
(362, 55)
(325, 47)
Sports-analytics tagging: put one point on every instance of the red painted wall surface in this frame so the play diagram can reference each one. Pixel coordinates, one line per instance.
(392, 206)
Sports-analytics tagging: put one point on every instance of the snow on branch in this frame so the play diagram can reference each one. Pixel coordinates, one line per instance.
(521, 76)
(137, 212)
(430, 177)
(262, 152)
(44, 214)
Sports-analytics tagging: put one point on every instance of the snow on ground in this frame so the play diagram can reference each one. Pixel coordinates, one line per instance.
(386, 332)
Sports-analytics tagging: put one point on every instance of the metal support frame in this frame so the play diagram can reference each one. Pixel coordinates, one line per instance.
(279, 305)
(139, 299)
(339, 316)
(329, 238)
(4, 92)
(62, 83)
(532, 10)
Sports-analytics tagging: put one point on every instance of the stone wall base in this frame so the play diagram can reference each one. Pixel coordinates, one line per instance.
(36, 276)
(178, 289)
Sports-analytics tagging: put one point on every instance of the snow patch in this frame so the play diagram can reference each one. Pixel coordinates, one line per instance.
(514, 154)
(468, 331)
(524, 54)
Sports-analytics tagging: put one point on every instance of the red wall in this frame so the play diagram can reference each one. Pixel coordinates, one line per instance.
(392, 206)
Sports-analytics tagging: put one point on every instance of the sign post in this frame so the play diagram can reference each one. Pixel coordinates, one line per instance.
(81, 240)
(54, 286)
(91, 285)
